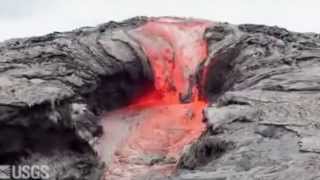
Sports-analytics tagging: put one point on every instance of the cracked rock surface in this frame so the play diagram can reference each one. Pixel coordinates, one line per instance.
(52, 89)
(267, 106)
(262, 83)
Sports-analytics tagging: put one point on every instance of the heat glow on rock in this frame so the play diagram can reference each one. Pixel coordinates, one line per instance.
(156, 127)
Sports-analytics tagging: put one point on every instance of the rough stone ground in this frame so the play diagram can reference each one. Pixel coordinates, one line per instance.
(52, 89)
(264, 122)
(263, 83)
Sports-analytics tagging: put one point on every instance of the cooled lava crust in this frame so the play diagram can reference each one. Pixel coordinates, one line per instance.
(163, 98)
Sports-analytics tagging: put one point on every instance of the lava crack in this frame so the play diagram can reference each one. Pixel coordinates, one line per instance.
(151, 132)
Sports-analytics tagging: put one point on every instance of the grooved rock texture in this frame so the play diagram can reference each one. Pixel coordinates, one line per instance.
(262, 84)
(53, 87)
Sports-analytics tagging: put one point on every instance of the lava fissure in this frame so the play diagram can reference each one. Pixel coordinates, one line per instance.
(151, 132)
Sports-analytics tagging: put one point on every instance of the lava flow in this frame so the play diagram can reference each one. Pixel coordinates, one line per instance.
(150, 134)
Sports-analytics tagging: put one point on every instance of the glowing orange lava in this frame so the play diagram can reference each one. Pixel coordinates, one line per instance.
(160, 124)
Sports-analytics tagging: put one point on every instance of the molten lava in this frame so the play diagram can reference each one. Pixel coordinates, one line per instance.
(151, 133)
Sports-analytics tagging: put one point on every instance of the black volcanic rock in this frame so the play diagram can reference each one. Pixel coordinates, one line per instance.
(53, 87)
(265, 85)
(262, 82)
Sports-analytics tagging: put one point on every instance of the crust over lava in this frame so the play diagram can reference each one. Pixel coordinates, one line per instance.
(262, 83)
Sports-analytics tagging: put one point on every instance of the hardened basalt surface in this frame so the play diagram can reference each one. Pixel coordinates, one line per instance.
(262, 84)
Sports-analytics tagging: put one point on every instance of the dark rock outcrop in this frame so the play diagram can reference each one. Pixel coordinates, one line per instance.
(264, 84)
(53, 87)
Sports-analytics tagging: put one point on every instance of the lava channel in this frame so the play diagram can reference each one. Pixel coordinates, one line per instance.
(150, 134)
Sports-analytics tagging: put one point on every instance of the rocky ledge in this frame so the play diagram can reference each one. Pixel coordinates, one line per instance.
(262, 84)
(264, 120)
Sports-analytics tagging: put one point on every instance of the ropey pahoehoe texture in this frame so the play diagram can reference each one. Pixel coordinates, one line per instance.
(262, 85)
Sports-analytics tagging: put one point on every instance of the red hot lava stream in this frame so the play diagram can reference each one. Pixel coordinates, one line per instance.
(151, 133)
